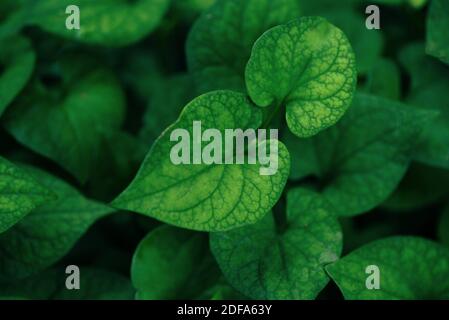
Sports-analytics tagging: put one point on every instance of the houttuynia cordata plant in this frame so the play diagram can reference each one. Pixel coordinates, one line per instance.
(224, 149)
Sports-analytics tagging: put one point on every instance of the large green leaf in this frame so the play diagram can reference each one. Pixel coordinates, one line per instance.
(16, 65)
(48, 232)
(362, 159)
(308, 66)
(64, 111)
(20, 193)
(430, 83)
(219, 44)
(409, 268)
(160, 257)
(95, 284)
(205, 197)
(104, 22)
(437, 25)
(266, 263)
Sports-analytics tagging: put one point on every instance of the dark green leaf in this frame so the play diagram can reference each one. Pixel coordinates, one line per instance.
(437, 25)
(265, 263)
(172, 263)
(16, 65)
(48, 232)
(362, 159)
(20, 193)
(63, 113)
(95, 284)
(220, 42)
(443, 227)
(104, 22)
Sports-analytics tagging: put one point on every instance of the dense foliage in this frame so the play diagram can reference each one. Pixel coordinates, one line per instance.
(86, 177)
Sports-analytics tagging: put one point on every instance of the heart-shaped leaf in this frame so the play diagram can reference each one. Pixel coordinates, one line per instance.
(408, 268)
(207, 197)
(265, 263)
(64, 111)
(219, 44)
(308, 66)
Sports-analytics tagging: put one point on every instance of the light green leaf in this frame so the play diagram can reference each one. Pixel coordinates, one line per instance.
(104, 22)
(219, 44)
(204, 197)
(362, 159)
(430, 84)
(63, 113)
(95, 284)
(265, 263)
(48, 232)
(437, 43)
(410, 268)
(16, 65)
(20, 193)
(443, 227)
(160, 257)
(307, 65)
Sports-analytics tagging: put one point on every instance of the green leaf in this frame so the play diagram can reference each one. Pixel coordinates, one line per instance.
(421, 186)
(48, 232)
(367, 44)
(103, 22)
(219, 44)
(433, 148)
(423, 70)
(20, 193)
(95, 284)
(443, 227)
(160, 257)
(265, 263)
(188, 10)
(417, 4)
(120, 153)
(204, 197)
(362, 159)
(384, 80)
(307, 65)
(410, 268)
(430, 83)
(63, 113)
(16, 65)
(163, 109)
(437, 43)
